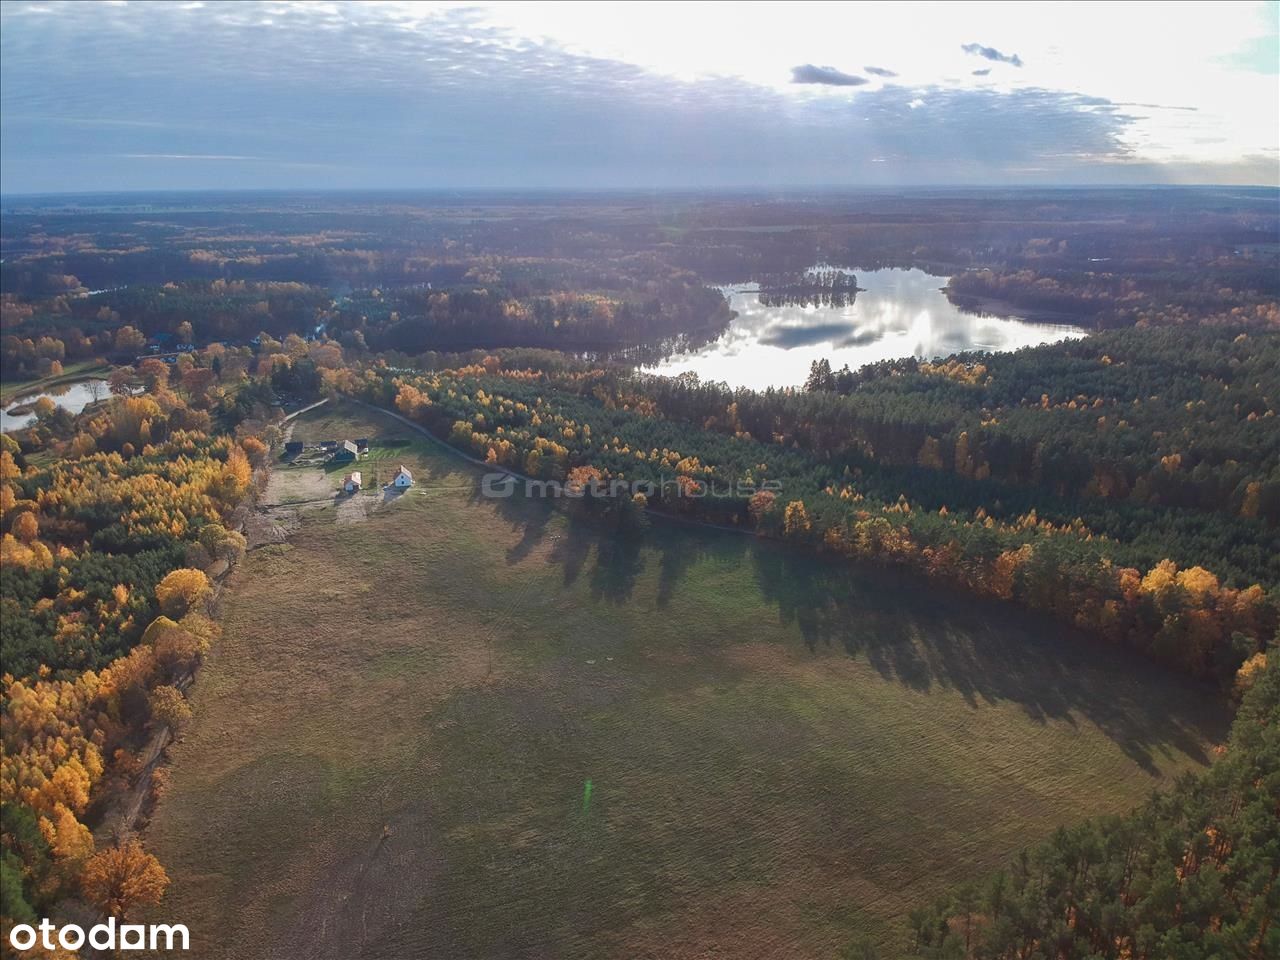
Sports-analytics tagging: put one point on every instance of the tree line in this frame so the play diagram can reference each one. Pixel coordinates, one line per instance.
(1157, 589)
(112, 523)
(1190, 874)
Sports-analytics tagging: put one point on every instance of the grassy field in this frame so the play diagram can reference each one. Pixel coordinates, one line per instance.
(442, 726)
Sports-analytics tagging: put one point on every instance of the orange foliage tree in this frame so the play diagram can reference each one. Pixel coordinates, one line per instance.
(181, 590)
(120, 879)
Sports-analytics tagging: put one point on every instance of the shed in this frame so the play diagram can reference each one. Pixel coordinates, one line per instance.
(294, 447)
(351, 482)
(346, 451)
(403, 478)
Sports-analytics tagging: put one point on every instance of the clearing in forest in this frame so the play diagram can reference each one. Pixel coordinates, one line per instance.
(472, 728)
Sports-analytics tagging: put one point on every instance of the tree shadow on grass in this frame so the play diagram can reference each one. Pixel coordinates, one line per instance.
(922, 635)
(619, 563)
(583, 544)
(529, 515)
(909, 630)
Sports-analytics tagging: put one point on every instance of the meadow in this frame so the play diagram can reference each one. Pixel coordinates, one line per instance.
(444, 726)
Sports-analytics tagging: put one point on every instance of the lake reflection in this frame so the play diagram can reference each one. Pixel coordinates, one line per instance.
(897, 313)
(74, 397)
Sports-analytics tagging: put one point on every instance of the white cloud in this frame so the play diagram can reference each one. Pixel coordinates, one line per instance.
(439, 91)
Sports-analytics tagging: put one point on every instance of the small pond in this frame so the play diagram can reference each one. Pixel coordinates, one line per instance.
(73, 397)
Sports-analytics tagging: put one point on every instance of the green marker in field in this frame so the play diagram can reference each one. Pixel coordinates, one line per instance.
(586, 795)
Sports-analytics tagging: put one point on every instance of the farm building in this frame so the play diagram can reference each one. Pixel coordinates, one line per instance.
(403, 478)
(351, 482)
(346, 450)
(294, 447)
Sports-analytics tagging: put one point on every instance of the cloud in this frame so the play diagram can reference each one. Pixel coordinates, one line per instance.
(991, 53)
(185, 156)
(449, 101)
(1157, 106)
(982, 73)
(788, 337)
(830, 76)
(879, 72)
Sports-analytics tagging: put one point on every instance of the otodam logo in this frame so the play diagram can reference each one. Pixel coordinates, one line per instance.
(101, 936)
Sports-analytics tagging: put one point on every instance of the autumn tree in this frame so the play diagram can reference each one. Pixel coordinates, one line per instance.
(120, 381)
(761, 502)
(120, 879)
(256, 450)
(795, 521)
(180, 590)
(129, 340)
(168, 706)
(155, 373)
(930, 454)
(82, 445)
(26, 527)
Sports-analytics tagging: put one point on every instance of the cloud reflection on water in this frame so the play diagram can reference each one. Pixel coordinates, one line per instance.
(897, 313)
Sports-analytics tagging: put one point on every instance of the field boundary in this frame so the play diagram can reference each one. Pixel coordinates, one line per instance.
(507, 471)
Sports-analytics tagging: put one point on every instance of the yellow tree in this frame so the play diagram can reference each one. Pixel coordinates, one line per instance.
(795, 520)
(129, 340)
(930, 454)
(82, 445)
(760, 503)
(169, 706)
(26, 527)
(180, 590)
(120, 879)
(255, 449)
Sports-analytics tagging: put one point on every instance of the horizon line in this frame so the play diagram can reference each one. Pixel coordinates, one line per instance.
(588, 191)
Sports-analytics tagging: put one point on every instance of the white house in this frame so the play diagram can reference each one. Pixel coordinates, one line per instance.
(403, 478)
(351, 482)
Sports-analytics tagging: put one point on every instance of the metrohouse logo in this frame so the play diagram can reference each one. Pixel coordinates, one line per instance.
(101, 936)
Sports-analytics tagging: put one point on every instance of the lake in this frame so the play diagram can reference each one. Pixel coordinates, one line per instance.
(896, 313)
(73, 397)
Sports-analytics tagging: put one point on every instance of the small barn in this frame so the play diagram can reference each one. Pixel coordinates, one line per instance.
(403, 479)
(293, 448)
(346, 450)
(351, 482)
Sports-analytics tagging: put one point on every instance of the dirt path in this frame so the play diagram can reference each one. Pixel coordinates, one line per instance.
(298, 413)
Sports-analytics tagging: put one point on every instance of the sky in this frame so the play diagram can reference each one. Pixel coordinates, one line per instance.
(107, 96)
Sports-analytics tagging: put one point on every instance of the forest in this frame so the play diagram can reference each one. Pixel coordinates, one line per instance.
(1189, 874)
(1191, 588)
(412, 272)
(117, 524)
(1152, 417)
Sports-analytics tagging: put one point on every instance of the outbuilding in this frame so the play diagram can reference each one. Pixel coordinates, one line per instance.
(346, 450)
(351, 482)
